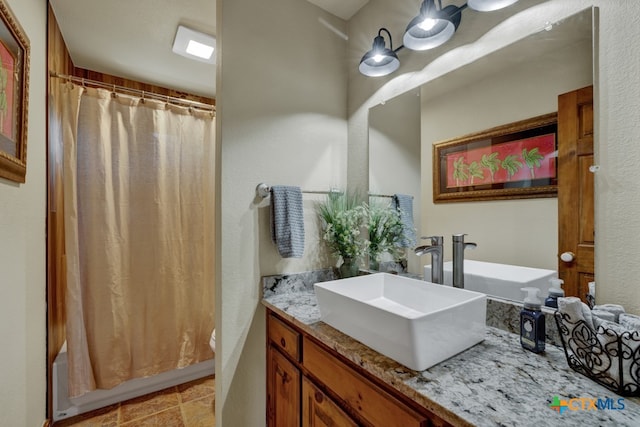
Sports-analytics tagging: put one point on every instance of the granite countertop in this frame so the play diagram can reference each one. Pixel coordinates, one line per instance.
(494, 383)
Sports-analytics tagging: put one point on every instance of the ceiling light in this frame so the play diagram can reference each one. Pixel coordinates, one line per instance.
(432, 27)
(379, 61)
(194, 45)
(489, 5)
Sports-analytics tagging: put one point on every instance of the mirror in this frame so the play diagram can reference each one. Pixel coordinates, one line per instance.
(521, 81)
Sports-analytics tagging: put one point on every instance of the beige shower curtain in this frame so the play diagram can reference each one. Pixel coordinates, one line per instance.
(138, 201)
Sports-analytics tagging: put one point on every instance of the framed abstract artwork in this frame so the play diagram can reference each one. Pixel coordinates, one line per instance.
(513, 161)
(14, 94)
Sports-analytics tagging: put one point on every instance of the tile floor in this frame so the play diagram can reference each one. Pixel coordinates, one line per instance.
(185, 405)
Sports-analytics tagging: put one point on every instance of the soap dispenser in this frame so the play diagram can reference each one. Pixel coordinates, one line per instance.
(555, 292)
(532, 327)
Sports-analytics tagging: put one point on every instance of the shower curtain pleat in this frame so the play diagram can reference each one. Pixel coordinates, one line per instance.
(138, 191)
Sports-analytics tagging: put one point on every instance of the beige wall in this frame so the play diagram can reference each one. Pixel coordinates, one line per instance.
(22, 250)
(282, 113)
(518, 232)
(617, 90)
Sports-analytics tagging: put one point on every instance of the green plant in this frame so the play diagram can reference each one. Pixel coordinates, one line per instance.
(342, 217)
(385, 231)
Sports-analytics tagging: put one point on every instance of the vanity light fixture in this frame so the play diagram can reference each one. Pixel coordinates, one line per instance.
(380, 60)
(194, 45)
(433, 26)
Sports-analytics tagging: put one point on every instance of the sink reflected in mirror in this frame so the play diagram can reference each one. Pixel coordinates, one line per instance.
(499, 280)
(415, 323)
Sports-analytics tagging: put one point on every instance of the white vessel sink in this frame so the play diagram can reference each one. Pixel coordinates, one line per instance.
(500, 280)
(413, 322)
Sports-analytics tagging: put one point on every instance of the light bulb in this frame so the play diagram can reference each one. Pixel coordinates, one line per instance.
(427, 24)
(200, 50)
(378, 57)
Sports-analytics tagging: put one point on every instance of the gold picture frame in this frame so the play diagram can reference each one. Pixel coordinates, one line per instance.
(14, 96)
(512, 161)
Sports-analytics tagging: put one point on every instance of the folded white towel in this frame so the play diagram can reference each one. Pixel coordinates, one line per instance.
(616, 309)
(608, 335)
(602, 314)
(605, 348)
(576, 310)
(630, 321)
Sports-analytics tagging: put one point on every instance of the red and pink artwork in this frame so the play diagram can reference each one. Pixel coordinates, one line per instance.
(7, 86)
(522, 160)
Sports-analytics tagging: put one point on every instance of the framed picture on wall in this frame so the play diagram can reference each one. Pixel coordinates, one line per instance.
(513, 161)
(14, 93)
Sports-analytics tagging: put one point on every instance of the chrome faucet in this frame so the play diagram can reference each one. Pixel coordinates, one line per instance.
(435, 249)
(459, 246)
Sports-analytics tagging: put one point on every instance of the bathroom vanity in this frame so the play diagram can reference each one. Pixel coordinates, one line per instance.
(317, 376)
(309, 384)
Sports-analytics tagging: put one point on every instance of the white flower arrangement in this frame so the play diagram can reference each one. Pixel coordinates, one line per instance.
(342, 220)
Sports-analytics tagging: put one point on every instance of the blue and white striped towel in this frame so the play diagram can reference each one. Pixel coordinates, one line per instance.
(287, 220)
(404, 204)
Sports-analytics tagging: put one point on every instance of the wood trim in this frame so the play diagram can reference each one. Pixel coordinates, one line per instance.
(59, 60)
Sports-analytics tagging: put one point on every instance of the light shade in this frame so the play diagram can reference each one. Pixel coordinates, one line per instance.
(194, 45)
(432, 27)
(379, 61)
(489, 5)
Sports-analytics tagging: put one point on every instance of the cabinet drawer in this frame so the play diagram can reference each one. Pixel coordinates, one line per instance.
(285, 338)
(367, 400)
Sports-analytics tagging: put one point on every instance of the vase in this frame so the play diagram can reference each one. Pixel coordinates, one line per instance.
(348, 268)
(374, 264)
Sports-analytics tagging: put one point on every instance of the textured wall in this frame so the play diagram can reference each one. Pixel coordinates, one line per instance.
(618, 153)
(282, 114)
(22, 249)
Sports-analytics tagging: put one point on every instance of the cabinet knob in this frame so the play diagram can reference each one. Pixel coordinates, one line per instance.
(283, 343)
(319, 397)
(282, 374)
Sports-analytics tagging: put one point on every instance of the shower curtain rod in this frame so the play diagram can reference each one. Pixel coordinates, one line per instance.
(141, 93)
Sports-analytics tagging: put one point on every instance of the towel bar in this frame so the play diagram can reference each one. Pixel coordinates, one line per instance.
(263, 191)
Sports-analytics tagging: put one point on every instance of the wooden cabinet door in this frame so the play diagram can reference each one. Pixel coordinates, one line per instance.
(318, 410)
(283, 391)
(575, 191)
